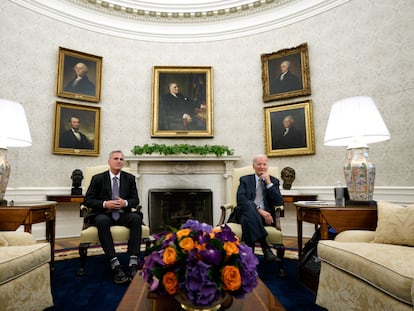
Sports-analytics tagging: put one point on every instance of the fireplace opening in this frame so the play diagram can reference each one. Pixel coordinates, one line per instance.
(173, 207)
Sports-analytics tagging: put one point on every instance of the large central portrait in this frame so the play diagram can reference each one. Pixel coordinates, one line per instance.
(182, 102)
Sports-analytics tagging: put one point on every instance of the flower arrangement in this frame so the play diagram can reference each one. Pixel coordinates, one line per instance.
(202, 262)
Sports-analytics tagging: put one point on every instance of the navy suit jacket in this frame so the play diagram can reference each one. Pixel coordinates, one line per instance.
(246, 193)
(100, 190)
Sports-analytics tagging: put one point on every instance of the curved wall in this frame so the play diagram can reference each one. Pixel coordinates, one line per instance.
(360, 48)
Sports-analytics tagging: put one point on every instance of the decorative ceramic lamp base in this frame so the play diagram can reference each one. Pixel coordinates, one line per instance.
(359, 174)
(4, 175)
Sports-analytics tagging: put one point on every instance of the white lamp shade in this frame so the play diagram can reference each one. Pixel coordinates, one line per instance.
(14, 130)
(355, 120)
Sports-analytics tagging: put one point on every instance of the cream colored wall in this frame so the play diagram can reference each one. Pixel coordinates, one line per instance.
(361, 48)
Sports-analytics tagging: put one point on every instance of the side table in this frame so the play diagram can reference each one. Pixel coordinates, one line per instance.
(66, 198)
(27, 214)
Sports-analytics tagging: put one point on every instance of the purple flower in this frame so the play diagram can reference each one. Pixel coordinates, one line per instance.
(200, 289)
(226, 235)
(195, 225)
(211, 255)
(247, 258)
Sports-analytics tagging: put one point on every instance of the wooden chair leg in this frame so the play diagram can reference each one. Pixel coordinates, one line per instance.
(83, 253)
(280, 252)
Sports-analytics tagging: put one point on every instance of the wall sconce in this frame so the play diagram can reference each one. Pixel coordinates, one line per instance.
(14, 132)
(356, 122)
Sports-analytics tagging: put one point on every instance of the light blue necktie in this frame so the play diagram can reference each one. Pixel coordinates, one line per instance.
(115, 195)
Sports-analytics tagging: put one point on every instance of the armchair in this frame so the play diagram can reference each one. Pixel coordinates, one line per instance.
(89, 233)
(275, 236)
(24, 272)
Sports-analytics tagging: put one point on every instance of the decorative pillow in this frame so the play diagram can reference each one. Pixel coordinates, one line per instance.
(3, 242)
(395, 224)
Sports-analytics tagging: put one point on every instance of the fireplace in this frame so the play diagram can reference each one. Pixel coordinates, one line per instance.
(183, 172)
(173, 207)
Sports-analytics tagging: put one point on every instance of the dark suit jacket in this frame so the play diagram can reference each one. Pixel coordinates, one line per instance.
(100, 190)
(69, 140)
(246, 194)
(84, 86)
(289, 83)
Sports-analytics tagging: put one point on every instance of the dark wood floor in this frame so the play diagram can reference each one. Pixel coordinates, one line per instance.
(289, 242)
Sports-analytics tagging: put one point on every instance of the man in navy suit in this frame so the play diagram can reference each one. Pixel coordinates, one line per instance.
(73, 138)
(257, 195)
(111, 195)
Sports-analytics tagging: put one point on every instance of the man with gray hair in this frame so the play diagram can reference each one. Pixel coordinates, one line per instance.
(286, 80)
(257, 195)
(80, 83)
(112, 196)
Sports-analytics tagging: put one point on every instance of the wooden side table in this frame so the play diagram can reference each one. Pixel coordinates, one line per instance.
(27, 214)
(66, 198)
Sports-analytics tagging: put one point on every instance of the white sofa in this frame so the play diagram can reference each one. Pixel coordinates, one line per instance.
(370, 270)
(24, 273)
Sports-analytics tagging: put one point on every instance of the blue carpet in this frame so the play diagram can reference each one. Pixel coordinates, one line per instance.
(292, 294)
(96, 290)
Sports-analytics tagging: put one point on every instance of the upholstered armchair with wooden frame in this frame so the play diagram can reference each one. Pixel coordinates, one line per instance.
(275, 236)
(89, 233)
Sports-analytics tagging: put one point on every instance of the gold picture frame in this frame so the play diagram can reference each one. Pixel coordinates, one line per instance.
(182, 102)
(286, 74)
(79, 75)
(82, 119)
(298, 139)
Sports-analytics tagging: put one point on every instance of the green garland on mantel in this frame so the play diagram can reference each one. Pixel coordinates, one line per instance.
(218, 150)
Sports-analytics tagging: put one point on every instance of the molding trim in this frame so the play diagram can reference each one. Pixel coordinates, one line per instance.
(400, 195)
(146, 21)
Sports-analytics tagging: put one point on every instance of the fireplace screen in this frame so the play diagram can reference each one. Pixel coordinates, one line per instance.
(173, 207)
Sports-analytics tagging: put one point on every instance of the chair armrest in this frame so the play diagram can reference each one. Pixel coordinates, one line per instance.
(355, 236)
(224, 209)
(84, 210)
(18, 238)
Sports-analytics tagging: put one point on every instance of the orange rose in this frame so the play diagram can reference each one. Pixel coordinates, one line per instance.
(187, 244)
(182, 233)
(169, 256)
(230, 248)
(231, 278)
(170, 283)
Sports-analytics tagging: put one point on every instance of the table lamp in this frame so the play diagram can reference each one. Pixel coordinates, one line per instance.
(14, 132)
(356, 122)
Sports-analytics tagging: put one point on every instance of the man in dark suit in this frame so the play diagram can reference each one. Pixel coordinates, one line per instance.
(80, 83)
(256, 197)
(111, 195)
(177, 112)
(288, 136)
(73, 138)
(286, 81)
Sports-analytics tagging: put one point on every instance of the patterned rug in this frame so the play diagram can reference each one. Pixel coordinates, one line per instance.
(94, 250)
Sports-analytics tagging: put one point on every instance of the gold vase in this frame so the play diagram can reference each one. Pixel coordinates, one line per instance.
(224, 302)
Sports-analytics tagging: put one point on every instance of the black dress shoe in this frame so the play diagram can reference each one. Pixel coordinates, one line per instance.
(132, 270)
(268, 255)
(120, 276)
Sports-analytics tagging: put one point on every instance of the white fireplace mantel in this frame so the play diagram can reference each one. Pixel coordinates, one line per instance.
(184, 172)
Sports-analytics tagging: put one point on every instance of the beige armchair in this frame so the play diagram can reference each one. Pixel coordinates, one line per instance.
(89, 233)
(24, 272)
(275, 236)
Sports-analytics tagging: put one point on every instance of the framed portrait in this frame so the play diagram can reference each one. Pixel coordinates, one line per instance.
(79, 75)
(285, 74)
(182, 102)
(289, 129)
(76, 129)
